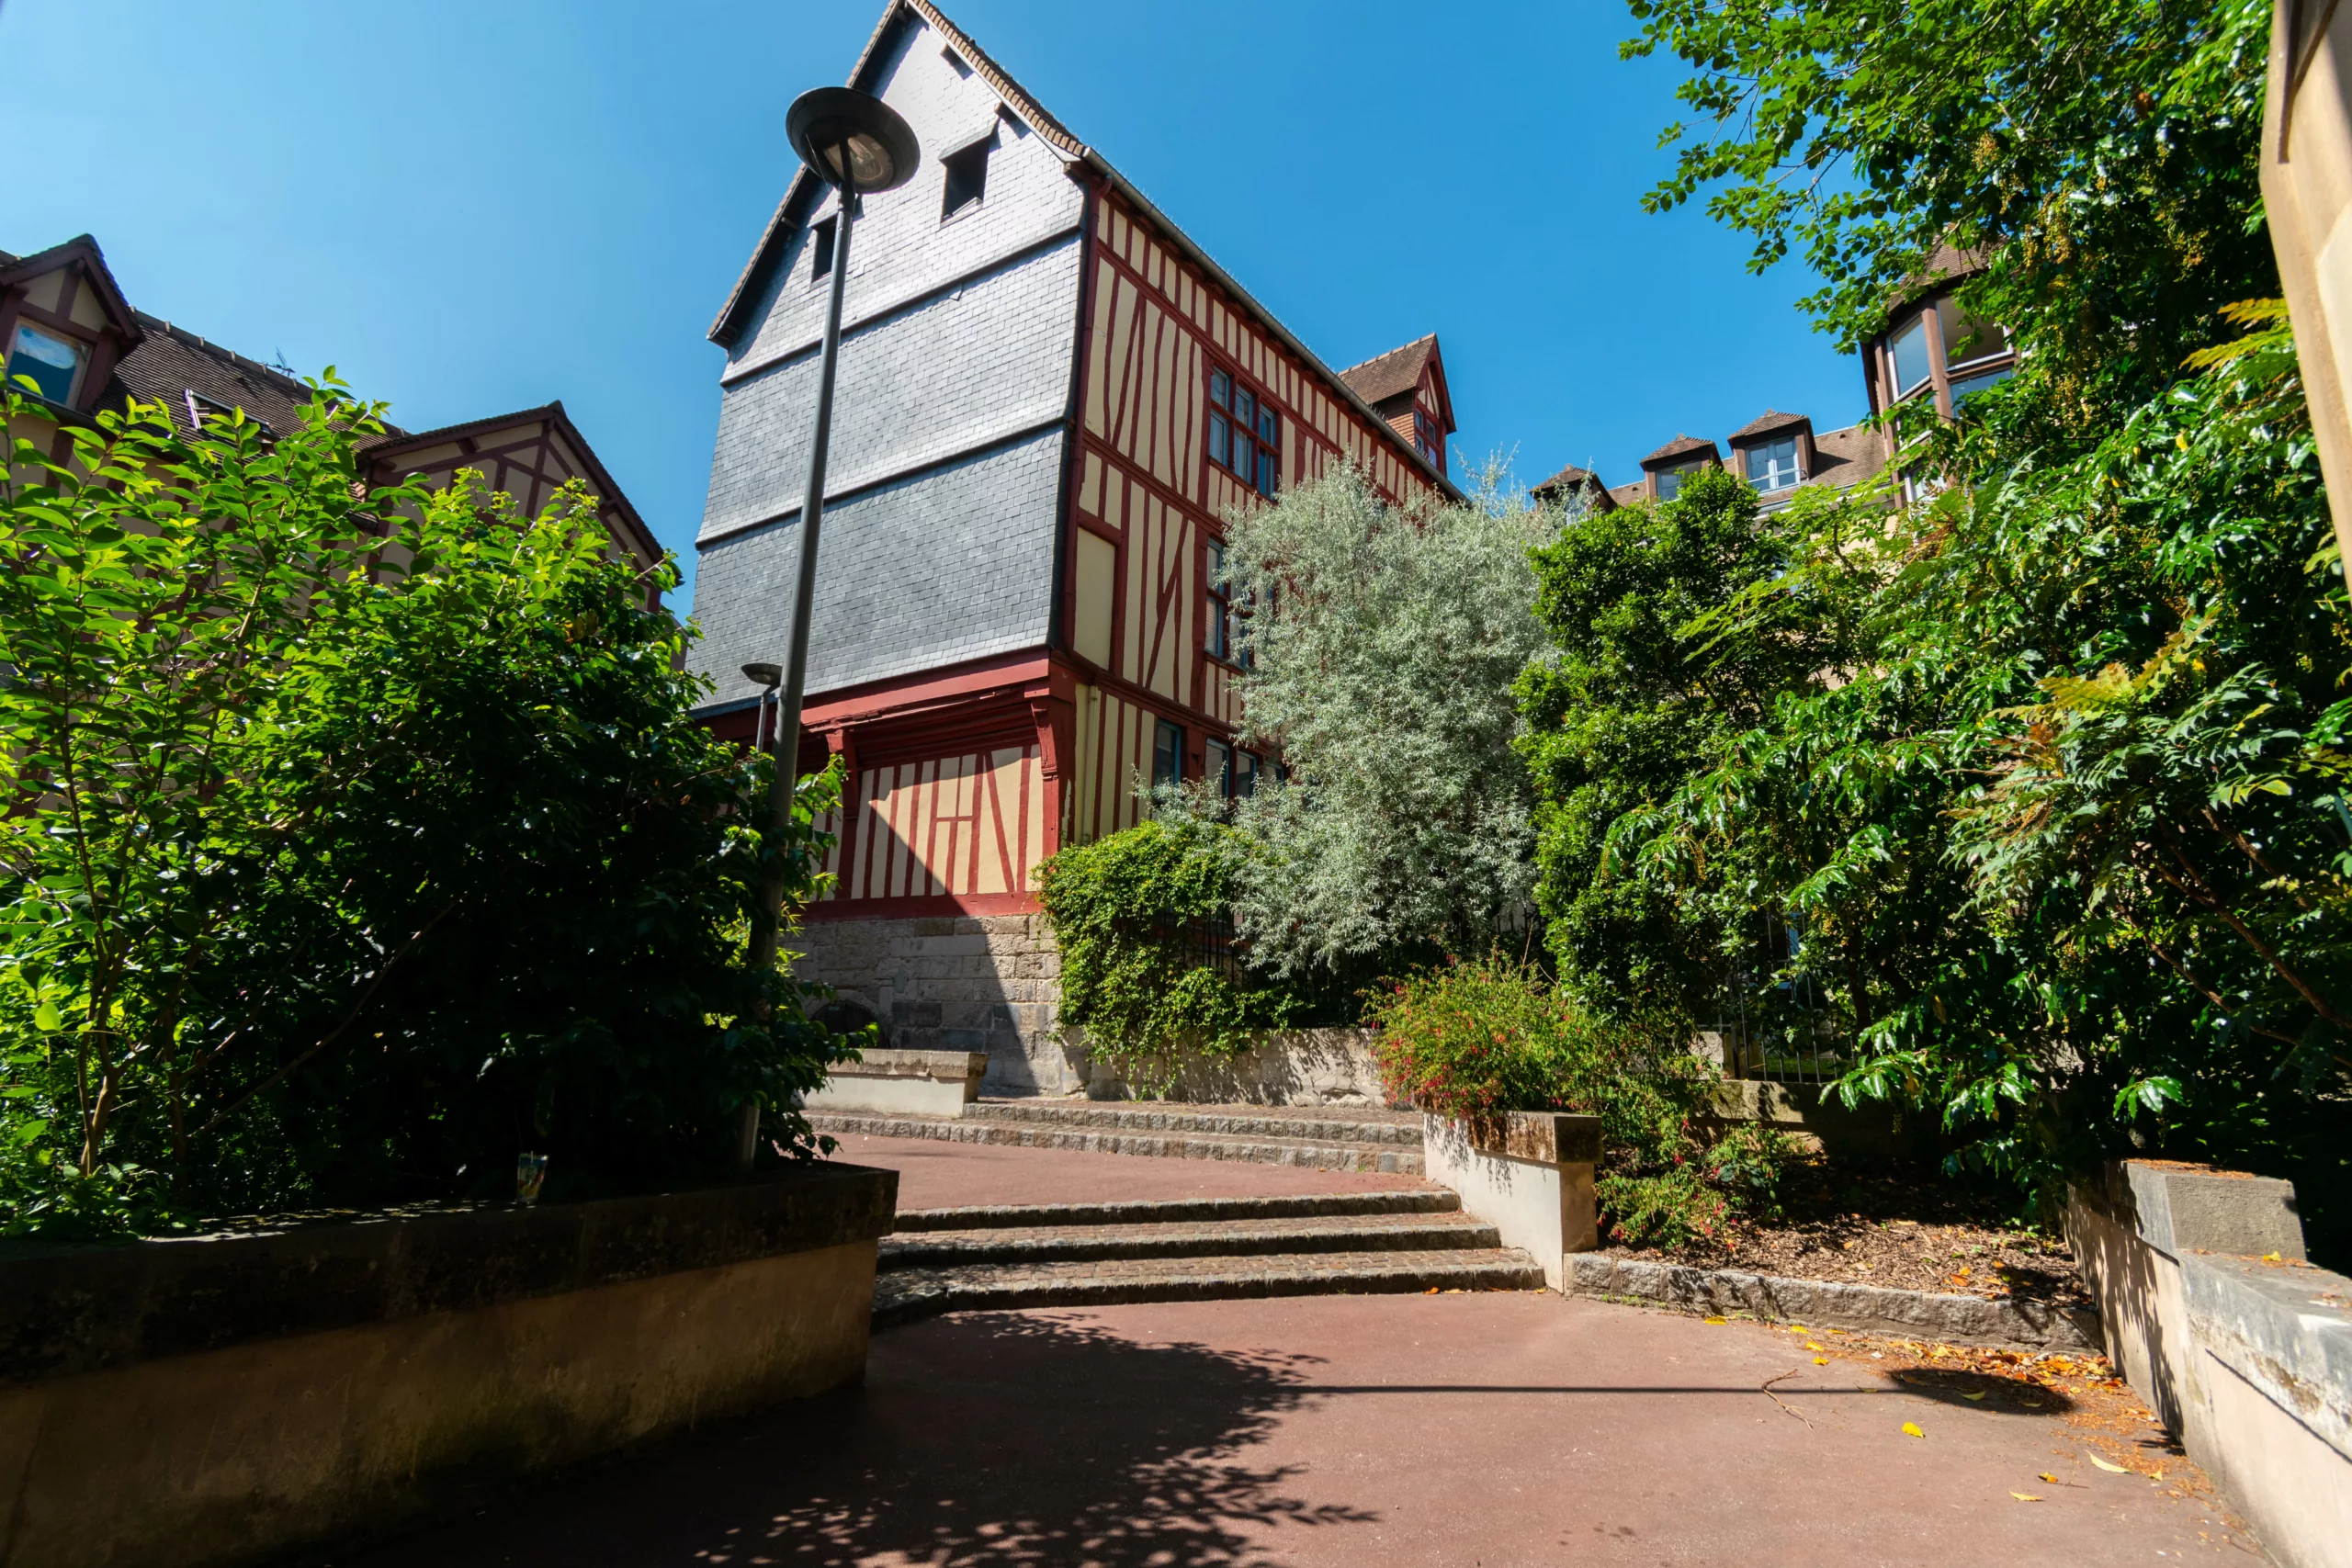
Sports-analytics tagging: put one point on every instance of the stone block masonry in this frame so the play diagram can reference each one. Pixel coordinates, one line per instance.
(989, 983)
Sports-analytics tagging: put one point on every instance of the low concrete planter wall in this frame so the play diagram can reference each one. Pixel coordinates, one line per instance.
(1817, 1304)
(2240, 1346)
(1530, 1176)
(917, 1083)
(1306, 1066)
(179, 1403)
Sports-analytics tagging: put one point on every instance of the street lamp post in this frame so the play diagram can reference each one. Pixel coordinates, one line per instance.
(854, 142)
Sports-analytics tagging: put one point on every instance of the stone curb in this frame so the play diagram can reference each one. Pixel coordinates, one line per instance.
(1222, 1124)
(1367, 1234)
(1159, 1211)
(909, 1297)
(1390, 1159)
(1869, 1309)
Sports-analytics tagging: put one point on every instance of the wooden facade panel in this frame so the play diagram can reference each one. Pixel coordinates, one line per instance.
(969, 825)
(1095, 591)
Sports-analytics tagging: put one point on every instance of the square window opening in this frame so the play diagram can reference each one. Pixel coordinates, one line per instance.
(1968, 336)
(967, 178)
(52, 362)
(1245, 432)
(1773, 466)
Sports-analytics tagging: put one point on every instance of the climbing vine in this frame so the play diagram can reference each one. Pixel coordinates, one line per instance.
(1129, 913)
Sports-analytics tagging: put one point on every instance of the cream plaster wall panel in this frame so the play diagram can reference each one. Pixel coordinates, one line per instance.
(87, 311)
(43, 292)
(1095, 591)
(971, 824)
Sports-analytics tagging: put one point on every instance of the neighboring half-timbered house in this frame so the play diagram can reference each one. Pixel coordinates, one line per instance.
(1048, 397)
(64, 324)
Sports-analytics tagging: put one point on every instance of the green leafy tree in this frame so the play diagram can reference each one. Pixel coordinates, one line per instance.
(1380, 644)
(2062, 829)
(358, 841)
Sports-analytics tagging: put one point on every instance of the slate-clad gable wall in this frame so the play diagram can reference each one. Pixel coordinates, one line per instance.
(954, 564)
(960, 335)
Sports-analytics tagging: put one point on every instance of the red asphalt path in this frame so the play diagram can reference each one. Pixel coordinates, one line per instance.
(1486, 1429)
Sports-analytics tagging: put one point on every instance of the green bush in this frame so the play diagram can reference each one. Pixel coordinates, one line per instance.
(328, 882)
(1476, 1040)
(1124, 910)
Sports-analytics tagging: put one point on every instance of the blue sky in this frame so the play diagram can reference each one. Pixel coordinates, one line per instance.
(474, 207)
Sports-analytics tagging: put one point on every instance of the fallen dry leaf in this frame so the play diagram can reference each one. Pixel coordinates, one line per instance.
(2110, 1469)
(1911, 1430)
(1821, 1360)
(1811, 1346)
(2025, 1496)
(1978, 1394)
(1718, 1320)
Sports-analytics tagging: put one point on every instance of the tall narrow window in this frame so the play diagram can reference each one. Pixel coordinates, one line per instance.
(1219, 635)
(1910, 350)
(967, 178)
(1245, 434)
(1217, 767)
(1167, 754)
(1245, 775)
(821, 250)
(51, 361)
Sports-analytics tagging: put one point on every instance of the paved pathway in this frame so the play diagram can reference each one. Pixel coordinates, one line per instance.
(1491, 1429)
(934, 1175)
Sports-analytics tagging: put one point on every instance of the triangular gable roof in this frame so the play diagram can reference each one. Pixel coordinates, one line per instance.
(1399, 371)
(1770, 419)
(83, 248)
(1017, 100)
(1572, 479)
(1681, 446)
(396, 444)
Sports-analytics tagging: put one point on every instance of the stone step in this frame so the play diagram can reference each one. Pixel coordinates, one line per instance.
(1315, 1154)
(1342, 1124)
(905, 1295)
(1168, 1211)
(1211, 1239)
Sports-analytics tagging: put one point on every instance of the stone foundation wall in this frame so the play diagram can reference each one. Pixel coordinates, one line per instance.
(987, 983)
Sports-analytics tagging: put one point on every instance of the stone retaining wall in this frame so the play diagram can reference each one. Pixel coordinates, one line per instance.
(207, 1400)
(987, 983)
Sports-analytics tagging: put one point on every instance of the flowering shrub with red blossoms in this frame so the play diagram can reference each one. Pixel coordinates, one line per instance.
(1476, 1038)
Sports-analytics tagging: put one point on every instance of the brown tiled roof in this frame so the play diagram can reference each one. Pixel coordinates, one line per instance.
(1681, 446)
(1391, 374)
(1573, 481)
(1627, 494)
(170, 362)
(1770, 421)
(1846, 457)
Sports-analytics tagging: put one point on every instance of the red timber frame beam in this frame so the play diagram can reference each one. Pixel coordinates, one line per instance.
(1024, 699)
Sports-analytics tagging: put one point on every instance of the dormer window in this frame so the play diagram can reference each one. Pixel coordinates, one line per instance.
(1773, 465)
(52, 362)
(968, 177)
(1429, 438)
(1669, 480)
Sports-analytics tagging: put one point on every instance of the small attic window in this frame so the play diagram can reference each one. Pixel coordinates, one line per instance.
(821, 250)
(968, 177)
(53, 363)
(955, 62)
(203, 412)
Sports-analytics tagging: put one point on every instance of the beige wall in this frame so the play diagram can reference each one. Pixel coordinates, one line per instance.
(229, 1455)
(2307, 186)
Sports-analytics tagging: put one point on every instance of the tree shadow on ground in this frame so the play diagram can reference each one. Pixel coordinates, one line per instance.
(1957, 1386)
(980, 1439)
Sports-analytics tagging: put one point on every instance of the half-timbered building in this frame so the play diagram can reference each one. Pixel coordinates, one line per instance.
(1049, 396)
(67, 328)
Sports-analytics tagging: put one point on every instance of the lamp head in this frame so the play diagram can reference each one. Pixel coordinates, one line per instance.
(824, 121)
(767, 675)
